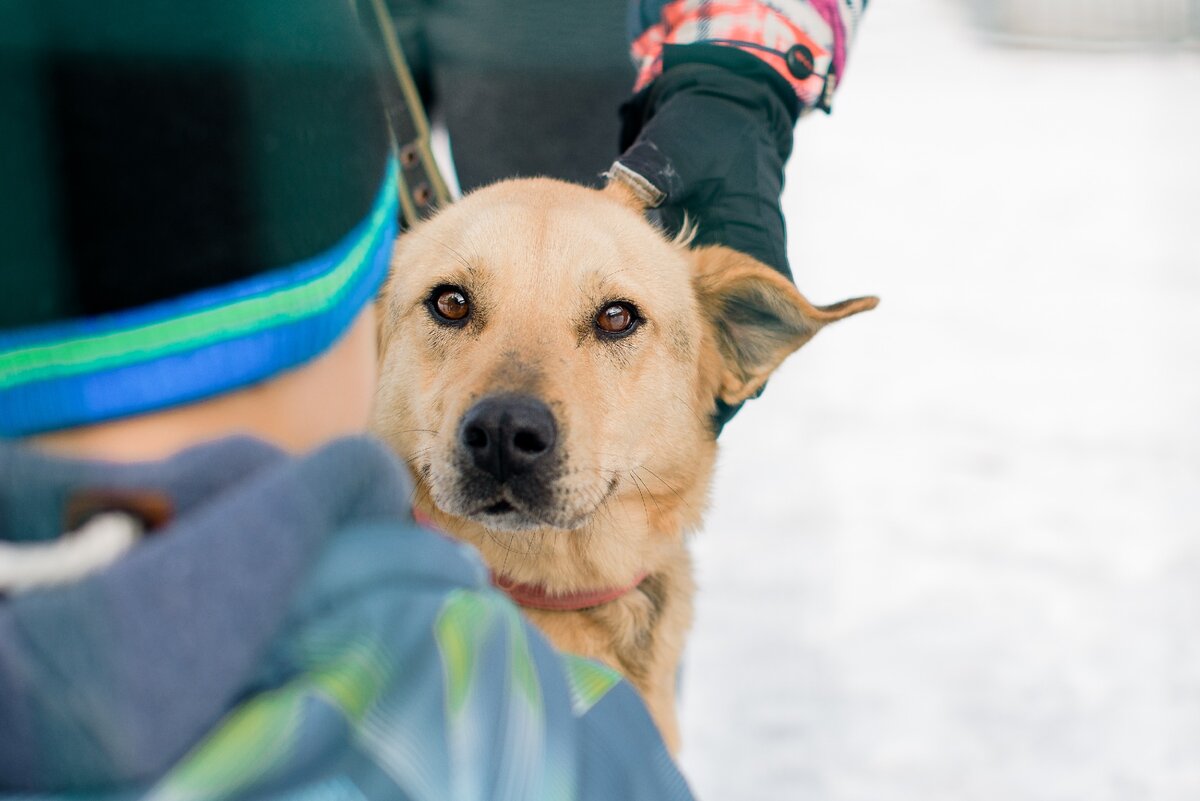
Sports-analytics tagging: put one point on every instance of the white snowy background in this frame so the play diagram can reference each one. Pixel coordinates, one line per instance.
(954, 551)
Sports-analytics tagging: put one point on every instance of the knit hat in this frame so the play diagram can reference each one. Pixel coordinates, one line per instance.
(194, 196)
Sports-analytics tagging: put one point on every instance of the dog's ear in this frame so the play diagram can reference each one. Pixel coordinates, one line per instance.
(758, 317)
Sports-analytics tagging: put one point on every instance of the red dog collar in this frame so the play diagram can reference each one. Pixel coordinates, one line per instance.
(536, 596)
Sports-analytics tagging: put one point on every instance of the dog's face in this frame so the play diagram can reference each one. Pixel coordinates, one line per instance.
(550, 364)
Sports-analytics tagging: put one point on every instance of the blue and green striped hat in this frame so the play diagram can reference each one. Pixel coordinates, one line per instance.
(194, 197)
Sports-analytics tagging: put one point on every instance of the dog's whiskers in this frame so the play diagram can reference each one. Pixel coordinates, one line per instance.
(416, 490)
(414, 462)
(649, 492)
(614, 272)
(705, 421)
(604, 507)
(531, 550)
(665, 484)
(419, 453)
(645, 508)
(458, 256)
(508, 552)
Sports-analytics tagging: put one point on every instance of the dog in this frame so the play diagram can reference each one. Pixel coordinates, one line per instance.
(550, 365)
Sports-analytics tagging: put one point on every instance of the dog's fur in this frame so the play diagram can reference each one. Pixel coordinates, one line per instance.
(635, 445)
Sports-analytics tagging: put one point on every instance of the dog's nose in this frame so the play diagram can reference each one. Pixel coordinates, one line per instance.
(506, 435)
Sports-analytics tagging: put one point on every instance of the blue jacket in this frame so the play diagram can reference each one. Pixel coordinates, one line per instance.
(290, 633)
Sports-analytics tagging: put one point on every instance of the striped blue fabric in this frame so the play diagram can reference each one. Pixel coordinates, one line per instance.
(196, 346)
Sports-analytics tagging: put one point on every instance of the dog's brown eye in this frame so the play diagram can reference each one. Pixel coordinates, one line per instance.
(450, 304)
(616, 319)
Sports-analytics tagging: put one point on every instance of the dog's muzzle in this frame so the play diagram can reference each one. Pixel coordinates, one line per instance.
(508, 436)
(509, 461)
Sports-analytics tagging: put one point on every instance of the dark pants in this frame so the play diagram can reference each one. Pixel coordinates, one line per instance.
(525, 87)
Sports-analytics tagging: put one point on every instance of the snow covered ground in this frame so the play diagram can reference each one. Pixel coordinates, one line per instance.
(954, 551)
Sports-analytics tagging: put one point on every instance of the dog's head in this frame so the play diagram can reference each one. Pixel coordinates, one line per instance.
(551, 363)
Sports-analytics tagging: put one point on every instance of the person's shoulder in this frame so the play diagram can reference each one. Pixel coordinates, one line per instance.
(391, 554)
(379, 539)
(356, 455)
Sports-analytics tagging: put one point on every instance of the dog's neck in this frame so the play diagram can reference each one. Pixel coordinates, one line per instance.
(537, 596)
(616, 617)
(638, 532)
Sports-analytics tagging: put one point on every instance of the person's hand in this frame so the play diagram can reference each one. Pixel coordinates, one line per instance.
(710, 142)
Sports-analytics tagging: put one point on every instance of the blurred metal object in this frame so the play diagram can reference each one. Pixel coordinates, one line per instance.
(1089, 23)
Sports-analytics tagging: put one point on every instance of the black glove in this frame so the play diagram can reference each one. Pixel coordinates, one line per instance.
(709, 138)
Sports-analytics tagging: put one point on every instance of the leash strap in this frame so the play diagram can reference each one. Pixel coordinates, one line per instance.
(422, 188)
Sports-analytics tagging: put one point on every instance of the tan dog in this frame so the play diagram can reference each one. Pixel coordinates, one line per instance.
(549, 368)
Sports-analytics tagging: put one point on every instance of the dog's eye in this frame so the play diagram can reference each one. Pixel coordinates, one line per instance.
(617, 319)
(449, 304)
